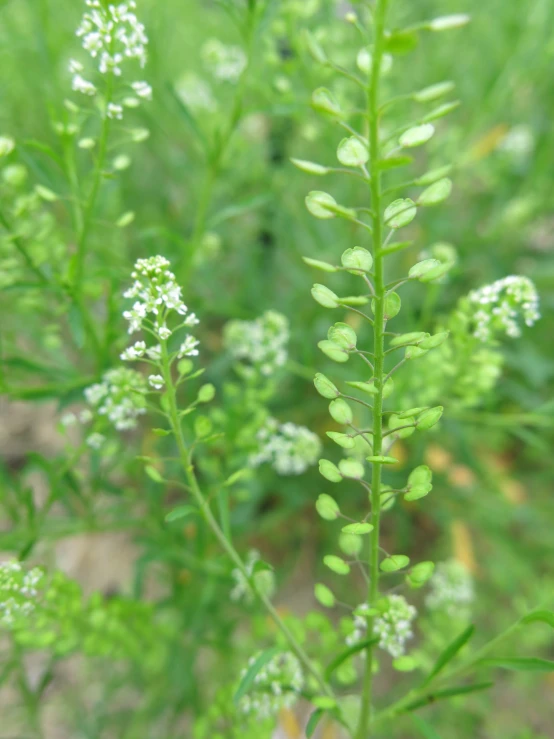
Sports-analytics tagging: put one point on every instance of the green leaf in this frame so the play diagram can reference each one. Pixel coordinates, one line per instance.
(545, 617)
(313, 721)
(346, 654)
(449, 653)
(425, 729)
(520, 664)
(239, 209)
(250, 675)
(448, 693)
(76, 326)
(181, 511)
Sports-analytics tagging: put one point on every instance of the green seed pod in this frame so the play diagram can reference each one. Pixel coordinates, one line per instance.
(318, 202)
(351, 468)
(433, 92)
(400, 213)
(422, 268)
(437, 272)
(340, 411)
(350, 544)
(421, 475)
(317, 264)
(333, 351)
(433, 175)
(325, 387)
(395, 422)
(206, 393)
(357, 259)
(343, 440)
(325, 102)
(433, 341)
(410, 413)
(392, 306)
(324, 296)
(352, 153)
(387, 498)
(365, 387)
(436, 193)
(417, 135)
(343, 335)
(414, 352)
(310, 167)
(429, 418)
(394, 562)
(336, 564)
(359, 529)
(412, 338)
(327, 507)
(420, 573)
(329, 471)
(324, 595)
(418, 491)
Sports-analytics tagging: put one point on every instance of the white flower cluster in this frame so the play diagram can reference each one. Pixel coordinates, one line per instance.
(394, 626)
(276, 686)
(290, 449)
(119, 397)
(18, 591)
(264, 579)
(158, 294)
(262, 341)
(226, 63)
(195, 93)
(112, 34)
(498, 306)
(451, 589)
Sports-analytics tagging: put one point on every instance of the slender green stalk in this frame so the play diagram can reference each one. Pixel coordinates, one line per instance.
(226, 544)
(21, 248)
(363, 730)
(87, 216)
(217, 156)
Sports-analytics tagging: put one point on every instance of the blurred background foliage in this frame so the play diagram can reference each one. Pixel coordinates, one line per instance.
(232, 220)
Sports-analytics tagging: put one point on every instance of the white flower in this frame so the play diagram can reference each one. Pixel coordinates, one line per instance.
(451, 589)
(226, 63)
(290, 449)
(195, 93)
(114, 34)
(7, 145)
(95, 440)
(119, 397)
(135, 317)
(497, 307)
(114, 111)
(164, 332)
(277, 686)
(188, 347)
(74, 66)
(143, 90)
(262, 341)
(68, 419)
(191, 320)
(154, 352)
(156, 381)
(132, 353)
(81, 85)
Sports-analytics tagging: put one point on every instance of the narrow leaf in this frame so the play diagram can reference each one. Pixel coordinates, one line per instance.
(520, 664)
(545, 617)
(343, 656)
(447, 693)
(250, 675)
(315, 718)
(450, 652)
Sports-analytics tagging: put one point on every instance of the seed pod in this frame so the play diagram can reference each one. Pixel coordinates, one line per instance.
(340, 411)
(329, 471)
(356, 259)
(325, 387)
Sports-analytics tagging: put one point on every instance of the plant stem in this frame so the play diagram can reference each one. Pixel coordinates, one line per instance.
(226, 544)
(363, 730)
(86, 218)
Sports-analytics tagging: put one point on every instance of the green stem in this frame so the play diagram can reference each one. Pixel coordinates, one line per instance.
(217, 156)
(21, 248)
(363, 729)
(87, 217)
(227, 546)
